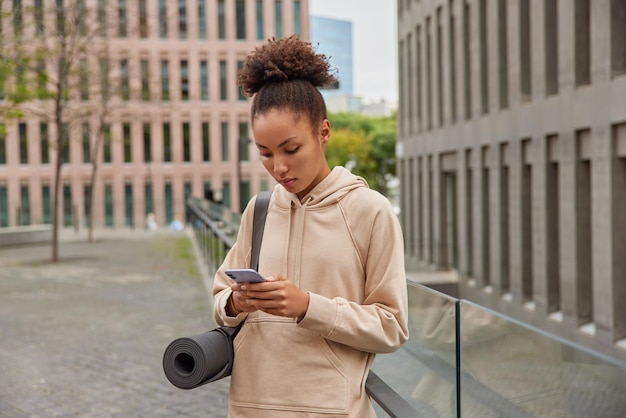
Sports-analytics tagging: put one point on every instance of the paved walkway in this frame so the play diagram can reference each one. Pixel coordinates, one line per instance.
(85, 337)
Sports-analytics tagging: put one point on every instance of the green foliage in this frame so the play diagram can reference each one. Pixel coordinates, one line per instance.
(364, 144)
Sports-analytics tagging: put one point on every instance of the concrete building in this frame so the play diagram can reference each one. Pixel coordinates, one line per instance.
(512, 157)
(174, 134)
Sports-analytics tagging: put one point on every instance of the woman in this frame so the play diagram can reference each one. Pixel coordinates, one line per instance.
(332, 254)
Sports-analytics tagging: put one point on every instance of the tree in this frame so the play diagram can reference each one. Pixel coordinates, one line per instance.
(15, 59)
(366, 145)
(60, 52)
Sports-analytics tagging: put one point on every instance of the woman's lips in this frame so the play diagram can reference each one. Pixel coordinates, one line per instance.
(287, 182)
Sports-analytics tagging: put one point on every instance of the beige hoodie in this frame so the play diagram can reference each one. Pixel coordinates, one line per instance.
(343, 245)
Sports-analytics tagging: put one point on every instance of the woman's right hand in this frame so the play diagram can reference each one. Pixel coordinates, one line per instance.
(237, 302)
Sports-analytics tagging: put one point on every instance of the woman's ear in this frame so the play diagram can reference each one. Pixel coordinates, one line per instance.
(325, 131)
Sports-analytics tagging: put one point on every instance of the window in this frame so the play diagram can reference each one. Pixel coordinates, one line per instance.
(128, 206)
(82, 17)
(551, 25)
(503, 53)
(505, 223)
(45, 143)
(84, 79)
(225, 141)
(147, 143)
(206, 142)
(65, 143)
(3, 146)
(240, 9)
(552, 210)
(182, 19)
(582, 42)
(24, 205)
(297, 17)
(439, 63)
(143, 19)
(128, 148)
(106, 142)
(149, 198)
(525, 56)
(104, 78)
(467, 60)
(469, 207)
(584, 230)
(145, 80)
(165, 81)
(223, 82)
(169, 206)
(42, 78)
(243, 142)
(484, 61)
(125, 80)
(184, 80)
(108, 205)
(87, 197)
(452, 57)
(102, 16)
(60, 16)
(221, 20)
(186, 142)
(428, 61)
(17, 18)
(278, 14)
(618, 37)
(204, 80)
(86, 142)
(187, 189)
(259, 20)
(526, 221)
(418, 74)
(121, 18)
(67, 205)
(485, 199)
(167, 143)
(240, 95)
(202, 19)
(4, 206)
(38, 14)
(163, 19)
(47, 206)
(23, 135)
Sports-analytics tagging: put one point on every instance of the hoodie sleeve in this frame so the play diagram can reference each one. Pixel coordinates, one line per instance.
(379, 323)
(237, 257)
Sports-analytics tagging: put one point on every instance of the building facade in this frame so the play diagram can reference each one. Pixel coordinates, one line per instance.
(512, 157)
(180, 127)
(333, 38)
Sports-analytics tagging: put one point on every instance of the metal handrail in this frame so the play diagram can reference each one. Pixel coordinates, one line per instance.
(208, 231)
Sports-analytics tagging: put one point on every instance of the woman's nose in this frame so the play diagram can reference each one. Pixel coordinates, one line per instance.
(280, 167)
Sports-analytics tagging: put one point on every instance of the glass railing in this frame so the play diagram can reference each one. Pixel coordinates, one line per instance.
(463, 360)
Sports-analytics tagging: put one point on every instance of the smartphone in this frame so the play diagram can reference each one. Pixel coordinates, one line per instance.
(245, 275)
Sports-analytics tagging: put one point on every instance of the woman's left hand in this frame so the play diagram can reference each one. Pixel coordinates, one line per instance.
(277, 296)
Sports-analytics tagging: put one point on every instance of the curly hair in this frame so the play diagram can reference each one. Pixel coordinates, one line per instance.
(285, 74)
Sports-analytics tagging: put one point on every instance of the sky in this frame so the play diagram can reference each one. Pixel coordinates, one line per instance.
(375, 46)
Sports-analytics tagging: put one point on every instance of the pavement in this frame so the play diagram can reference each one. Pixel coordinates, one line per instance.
(85, 337)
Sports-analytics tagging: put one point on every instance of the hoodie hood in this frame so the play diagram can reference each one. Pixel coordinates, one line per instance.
(329, 191)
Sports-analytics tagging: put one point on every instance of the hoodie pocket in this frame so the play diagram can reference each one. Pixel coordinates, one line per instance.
(283, 367)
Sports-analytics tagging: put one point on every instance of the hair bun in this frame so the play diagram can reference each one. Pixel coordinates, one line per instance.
(284, 59)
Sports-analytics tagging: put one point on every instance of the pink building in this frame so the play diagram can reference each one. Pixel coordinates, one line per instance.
(178, 132)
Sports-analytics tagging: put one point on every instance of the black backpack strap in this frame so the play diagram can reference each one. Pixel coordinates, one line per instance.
(260, 213)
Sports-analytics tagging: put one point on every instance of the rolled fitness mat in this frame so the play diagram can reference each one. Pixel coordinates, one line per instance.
(193, 361)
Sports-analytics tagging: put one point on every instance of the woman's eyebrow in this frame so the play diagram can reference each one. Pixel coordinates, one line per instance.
(282, 144)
